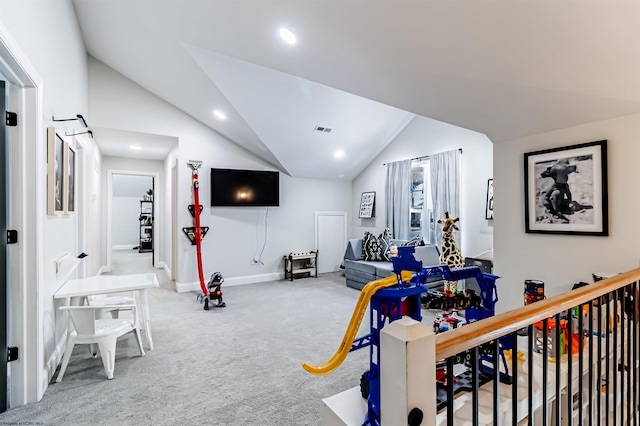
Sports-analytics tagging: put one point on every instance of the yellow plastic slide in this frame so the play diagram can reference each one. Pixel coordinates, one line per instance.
(356, 319)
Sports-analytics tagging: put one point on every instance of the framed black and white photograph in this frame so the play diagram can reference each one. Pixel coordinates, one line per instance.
(367, 205)
(489, 206)
(69, 185)
(55, 178)
(565, 190)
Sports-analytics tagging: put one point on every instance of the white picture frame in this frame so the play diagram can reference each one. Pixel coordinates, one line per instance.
(489, 206)
(55, 172)
(367, 205)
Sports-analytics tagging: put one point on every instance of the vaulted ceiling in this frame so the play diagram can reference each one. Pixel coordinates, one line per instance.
(364, 69)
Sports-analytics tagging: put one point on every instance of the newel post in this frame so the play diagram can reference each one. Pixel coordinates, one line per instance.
(407, 374)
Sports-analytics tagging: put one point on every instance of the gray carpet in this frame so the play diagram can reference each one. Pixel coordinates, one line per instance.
(239, 365)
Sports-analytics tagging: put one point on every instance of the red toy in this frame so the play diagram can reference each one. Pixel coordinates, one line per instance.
(196, 234)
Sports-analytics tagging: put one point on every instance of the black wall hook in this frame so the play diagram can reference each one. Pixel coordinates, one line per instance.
(79, 118)
(81, 133)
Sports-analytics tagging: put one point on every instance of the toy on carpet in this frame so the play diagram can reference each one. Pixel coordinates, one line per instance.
(215, 290)
(450, 255)
(389, 299)
(196, 234)
(447, 320)
(533, 291)
(451, 301)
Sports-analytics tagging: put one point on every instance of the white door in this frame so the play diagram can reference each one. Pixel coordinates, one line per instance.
(331, 240)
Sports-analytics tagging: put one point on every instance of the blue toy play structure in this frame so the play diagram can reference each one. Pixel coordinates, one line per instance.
(405, 299)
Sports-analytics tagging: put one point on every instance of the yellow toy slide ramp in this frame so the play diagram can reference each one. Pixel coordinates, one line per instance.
(354, 324)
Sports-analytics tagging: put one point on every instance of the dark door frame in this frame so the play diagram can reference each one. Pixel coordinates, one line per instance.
(3, 254)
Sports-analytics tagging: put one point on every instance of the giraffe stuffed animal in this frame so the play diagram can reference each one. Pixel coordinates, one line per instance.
(450, 255)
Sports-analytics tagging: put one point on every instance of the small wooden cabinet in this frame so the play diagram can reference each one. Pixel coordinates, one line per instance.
(299, 265)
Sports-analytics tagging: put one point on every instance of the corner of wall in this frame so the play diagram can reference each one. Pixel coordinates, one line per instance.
(51, 365)
(165, 267)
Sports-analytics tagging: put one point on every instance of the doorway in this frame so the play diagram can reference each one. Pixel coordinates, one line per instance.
(174, 221)
(132, 240)
(331, 240)
(23, 163)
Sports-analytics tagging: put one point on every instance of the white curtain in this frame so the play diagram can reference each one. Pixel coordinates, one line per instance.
(445, 189)
(398, 198)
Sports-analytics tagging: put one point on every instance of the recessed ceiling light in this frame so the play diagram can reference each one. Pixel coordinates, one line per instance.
(339, 153)
(288, 36)
(136, 147)
(219, 114)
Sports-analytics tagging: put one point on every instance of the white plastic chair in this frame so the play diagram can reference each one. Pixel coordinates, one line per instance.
(116, 303)
(91, 327)
(113, 304)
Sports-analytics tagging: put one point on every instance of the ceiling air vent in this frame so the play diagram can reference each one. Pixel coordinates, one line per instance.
(321, 129)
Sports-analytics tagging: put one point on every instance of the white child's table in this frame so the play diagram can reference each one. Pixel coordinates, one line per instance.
(74, 291)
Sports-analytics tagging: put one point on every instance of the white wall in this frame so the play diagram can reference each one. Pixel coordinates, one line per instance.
(132, 185)
(424, 136)
(171, 231)
(47, 41)
(125, 232)
(562, 260)
(128, 191)
(48, 33)
(236, 234)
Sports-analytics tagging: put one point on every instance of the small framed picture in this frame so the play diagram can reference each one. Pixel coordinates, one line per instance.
(55, 172)
(566, 190)
(367, 205)
(69, 161)
(489, 208)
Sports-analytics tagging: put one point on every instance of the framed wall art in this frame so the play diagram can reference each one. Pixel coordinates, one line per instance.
(55, 175)
(565, 190)
(488, 211)
(367, 205)
(69, 184)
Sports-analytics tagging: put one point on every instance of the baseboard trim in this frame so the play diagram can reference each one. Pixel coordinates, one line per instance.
(53, 362)
(165, 267)
(123, 247)
(230, 282)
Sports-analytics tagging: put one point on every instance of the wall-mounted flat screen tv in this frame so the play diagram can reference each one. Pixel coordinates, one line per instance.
(244, 188)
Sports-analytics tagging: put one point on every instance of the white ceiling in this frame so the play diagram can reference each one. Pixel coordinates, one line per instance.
(123, 143)
(365, 68)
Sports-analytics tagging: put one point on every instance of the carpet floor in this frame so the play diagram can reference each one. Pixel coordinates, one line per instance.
(238, 365)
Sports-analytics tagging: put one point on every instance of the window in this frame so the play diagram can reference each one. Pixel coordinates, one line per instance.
(421, 211)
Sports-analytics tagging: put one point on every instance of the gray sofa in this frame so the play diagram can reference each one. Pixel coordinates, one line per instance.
(359, 272)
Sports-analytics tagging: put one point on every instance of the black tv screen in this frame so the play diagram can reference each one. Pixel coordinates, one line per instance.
(236, 188)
